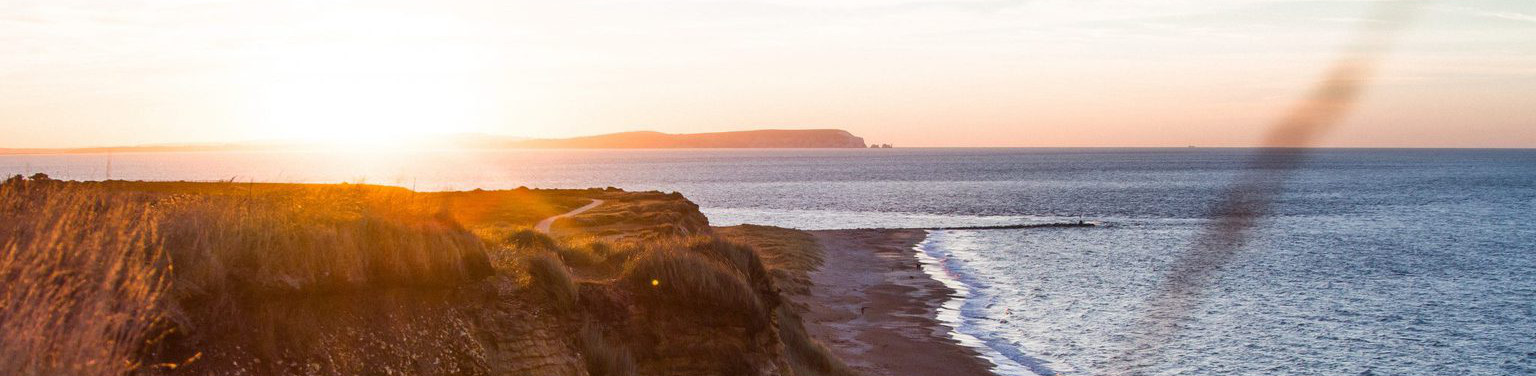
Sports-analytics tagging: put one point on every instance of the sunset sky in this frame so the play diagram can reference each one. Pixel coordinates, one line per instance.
(913, 73)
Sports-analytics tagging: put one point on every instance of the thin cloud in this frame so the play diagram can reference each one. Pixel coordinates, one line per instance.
(1510, 16)
(1495, 14)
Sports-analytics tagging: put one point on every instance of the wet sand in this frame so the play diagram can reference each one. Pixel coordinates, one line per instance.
(875, 308)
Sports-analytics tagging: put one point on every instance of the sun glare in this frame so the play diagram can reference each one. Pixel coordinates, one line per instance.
(373, 93)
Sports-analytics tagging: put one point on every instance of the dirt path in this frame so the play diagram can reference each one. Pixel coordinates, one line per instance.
(543, 226)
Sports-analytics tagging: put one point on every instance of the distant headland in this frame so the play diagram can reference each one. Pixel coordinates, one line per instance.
(770, 138)
(767, 138)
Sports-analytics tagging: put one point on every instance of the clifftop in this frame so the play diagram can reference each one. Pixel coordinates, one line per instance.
(349, 279)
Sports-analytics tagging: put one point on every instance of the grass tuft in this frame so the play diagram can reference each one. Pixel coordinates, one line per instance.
(604, 357)
(584, 251)
(528, 238)
(82, 275)
(701, 273)
(549, 275)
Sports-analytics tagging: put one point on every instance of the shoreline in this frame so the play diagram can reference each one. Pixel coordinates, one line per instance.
(876, 308)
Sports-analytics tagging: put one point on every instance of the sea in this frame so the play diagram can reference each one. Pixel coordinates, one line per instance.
(1369, 262)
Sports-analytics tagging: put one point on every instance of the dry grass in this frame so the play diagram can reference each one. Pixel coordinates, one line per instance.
(82, 275)
(700, 272)
(239, 237)
(790, 254)
(639, 216)
(536, 262)
(586, 251)
(509, 209)
(604, 357)
(549, 275)
(315, 239)
(86, 266)
(525, 238)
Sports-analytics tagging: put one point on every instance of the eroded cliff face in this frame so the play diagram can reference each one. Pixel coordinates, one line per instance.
(494, 327)
(466, 331)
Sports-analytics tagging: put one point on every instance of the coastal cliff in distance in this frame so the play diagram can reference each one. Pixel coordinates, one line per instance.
(771, 138)
(768, 138)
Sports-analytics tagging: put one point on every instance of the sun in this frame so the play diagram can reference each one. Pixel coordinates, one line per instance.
(372, 93)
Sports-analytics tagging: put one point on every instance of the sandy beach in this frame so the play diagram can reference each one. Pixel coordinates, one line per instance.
(875, 308)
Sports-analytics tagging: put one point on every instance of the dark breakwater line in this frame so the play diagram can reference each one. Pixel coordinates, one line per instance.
(996, 227)
(1019, 226)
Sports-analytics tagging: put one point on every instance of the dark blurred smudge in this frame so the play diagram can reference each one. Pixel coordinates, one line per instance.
(1249, 197)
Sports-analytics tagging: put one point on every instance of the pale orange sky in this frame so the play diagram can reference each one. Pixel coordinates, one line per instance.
(913, 73)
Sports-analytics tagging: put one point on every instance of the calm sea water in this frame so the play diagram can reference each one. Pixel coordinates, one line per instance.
(1373, 262)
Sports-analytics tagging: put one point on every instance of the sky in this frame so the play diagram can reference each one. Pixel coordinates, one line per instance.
(77, 73)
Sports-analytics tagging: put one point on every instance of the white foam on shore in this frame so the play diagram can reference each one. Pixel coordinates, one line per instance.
(941, 266)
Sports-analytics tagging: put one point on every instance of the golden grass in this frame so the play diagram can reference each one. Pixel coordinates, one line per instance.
(701, 273)
(87, 267)
(525, 238)
(509, 209)
(586, 251)
(315, 239)
(638, 216)
(549, 275)
(780, 248)
(82, 274)
(789, 254)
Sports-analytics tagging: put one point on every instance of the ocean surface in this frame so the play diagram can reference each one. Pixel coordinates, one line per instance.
(1372, 262)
